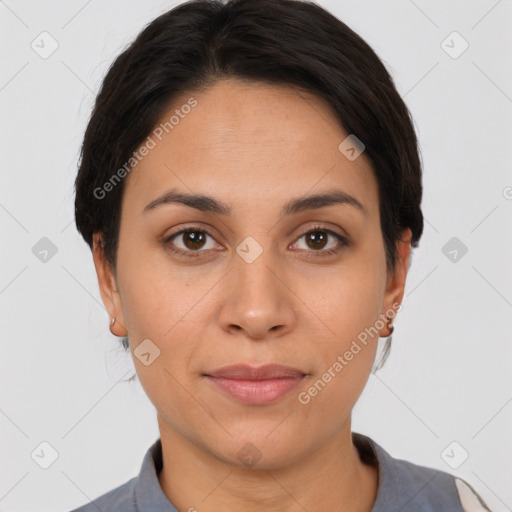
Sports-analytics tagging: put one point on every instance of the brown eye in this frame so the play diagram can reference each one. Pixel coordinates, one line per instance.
(193, 239)
(322, 241)
(316, 239)
(189, 241)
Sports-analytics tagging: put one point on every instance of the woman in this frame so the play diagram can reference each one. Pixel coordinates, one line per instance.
(250, 187)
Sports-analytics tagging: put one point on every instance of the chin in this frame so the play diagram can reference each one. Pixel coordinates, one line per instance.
(262, 448)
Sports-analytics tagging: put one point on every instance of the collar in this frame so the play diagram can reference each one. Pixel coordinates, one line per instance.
(393, 474)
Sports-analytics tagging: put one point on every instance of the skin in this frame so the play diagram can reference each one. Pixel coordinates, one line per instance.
(254, 147)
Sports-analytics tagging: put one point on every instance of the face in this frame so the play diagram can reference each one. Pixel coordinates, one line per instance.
(263, 276)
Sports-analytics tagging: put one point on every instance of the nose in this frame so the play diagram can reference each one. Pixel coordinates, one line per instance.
(257, 301)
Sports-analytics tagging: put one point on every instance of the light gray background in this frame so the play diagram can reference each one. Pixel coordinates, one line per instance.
(449, 374)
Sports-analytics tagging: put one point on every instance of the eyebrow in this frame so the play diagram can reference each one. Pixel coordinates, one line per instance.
(210, 204)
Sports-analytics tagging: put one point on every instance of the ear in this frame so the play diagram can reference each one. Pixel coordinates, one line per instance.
(108, 286)
(396, 280)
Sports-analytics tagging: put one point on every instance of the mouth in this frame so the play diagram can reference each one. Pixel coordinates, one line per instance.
(256, 386)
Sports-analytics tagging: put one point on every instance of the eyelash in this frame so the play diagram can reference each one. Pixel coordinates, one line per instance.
(195, 254)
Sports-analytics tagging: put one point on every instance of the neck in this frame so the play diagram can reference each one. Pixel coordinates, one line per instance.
(330, 478)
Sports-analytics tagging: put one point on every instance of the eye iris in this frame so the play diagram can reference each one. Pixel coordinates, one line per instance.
(315, 237)
(193, 239)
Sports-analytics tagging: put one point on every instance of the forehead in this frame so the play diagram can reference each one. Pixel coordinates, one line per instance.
(251, 144)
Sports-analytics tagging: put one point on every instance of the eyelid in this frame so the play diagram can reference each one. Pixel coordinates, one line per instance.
(193, 227)
(320, 227)
(343, 240)
(167, 241)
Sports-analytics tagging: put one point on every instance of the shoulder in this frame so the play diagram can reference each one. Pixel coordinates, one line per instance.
(431, 489)
(469, 498)
(120, 499)
(411, 487)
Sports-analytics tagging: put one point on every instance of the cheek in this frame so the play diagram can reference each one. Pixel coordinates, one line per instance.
(348, 300)
(161, 310)
(350, 309)
(160, 304)
(155, 295)
(344, 359)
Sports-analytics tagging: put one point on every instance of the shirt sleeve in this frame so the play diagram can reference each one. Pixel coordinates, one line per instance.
(469, 498)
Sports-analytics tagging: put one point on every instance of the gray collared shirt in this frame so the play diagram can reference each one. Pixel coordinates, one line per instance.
(403, 486)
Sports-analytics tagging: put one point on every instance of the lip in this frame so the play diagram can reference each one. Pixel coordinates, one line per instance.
(256, 385)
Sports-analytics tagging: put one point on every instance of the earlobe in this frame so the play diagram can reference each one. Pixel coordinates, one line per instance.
(108, 287)
(116, 329)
